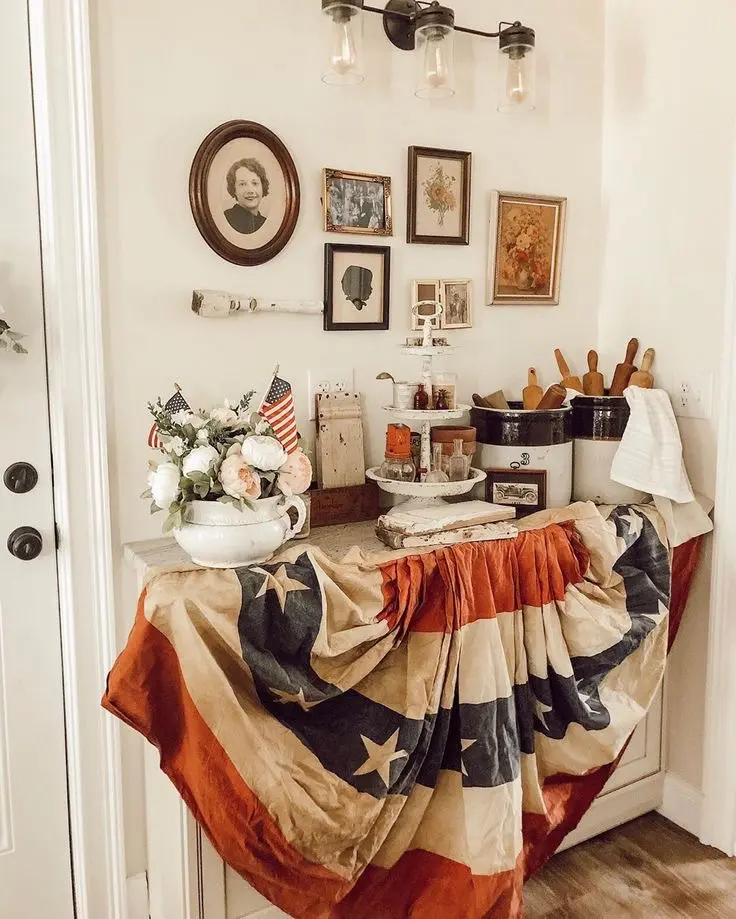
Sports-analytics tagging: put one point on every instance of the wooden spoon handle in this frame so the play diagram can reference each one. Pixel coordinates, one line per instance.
(593, 361)
(532, 377)
(631, 349)
(562, 363)
(647, 360)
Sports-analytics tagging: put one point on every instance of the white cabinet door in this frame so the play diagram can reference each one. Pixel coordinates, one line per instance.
(35, 869)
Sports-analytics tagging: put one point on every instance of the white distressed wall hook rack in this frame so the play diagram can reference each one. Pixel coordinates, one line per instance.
(218, 304)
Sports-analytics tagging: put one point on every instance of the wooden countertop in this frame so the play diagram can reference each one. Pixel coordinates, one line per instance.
(334, 541)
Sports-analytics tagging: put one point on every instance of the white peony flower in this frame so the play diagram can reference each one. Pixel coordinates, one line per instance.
(233, 450)
(164, 484)
(203, 434)
(187, 416)
(177, 446)
(262, 426)
(225, 416)
(265, 453)
(201, 459)
(238, 479)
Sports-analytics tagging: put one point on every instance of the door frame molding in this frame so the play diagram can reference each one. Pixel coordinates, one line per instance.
(718, 818)
(59, 34)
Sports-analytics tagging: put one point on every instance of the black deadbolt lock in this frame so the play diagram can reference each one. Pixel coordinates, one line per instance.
(20, 478)
(25, 543)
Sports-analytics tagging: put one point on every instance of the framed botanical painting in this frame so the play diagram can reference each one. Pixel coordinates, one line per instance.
(424, 291)
(524, 489)
(457, 304)
(244, 192)
(438, 204)
(356, 203)
(357, 287)
(527, 236)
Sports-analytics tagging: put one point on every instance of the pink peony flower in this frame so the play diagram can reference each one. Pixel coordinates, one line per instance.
(295, 475)
(238, 479)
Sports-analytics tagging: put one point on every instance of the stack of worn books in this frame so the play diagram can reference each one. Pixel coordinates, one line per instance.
(445, 524)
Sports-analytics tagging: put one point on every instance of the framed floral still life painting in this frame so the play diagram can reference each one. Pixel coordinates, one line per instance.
(356, 203)
(244, 192)
(357, 287)
(438, 205)
(527, 236)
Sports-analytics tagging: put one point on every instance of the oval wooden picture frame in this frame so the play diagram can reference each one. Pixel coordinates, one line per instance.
(198, 197)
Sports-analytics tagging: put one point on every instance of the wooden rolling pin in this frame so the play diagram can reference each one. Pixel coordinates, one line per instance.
(532, 394)
(623, 371)
(568, 380)
(553, 398)
(643, 378)
(593, 383)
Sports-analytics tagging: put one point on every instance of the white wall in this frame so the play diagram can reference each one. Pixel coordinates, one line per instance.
(168, 72)
(670, 104)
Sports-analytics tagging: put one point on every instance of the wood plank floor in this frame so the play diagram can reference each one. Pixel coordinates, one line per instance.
(649, 868)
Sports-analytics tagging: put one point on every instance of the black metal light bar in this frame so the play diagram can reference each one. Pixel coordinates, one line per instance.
(399, 18)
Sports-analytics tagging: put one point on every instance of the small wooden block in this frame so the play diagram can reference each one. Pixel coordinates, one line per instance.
(332, 506)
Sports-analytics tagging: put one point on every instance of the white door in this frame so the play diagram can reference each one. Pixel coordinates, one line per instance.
(35, 863)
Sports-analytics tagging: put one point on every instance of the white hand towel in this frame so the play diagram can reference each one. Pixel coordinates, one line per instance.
(650, 456)
(650, 459)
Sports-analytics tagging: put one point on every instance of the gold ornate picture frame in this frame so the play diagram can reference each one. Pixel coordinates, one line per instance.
(356, 202)
(527, 240)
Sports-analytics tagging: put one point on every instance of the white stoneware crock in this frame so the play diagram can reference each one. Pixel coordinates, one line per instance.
(219, 535)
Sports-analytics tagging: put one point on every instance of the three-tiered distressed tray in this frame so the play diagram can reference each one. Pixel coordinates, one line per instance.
(422, 494)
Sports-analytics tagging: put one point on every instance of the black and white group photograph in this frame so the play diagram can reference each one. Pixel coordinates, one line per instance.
(356, 203)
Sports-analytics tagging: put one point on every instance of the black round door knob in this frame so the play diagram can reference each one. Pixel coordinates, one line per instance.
(20, 478)
(25, 543)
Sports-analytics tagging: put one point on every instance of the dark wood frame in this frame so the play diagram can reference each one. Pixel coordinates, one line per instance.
(210, 146)
(411, 207)
(539, 476)
(385, 181)
(329, 324)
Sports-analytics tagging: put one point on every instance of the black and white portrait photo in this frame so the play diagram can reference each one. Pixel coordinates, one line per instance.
(356, 203)
(457, 310)
(357, 287)
(247, 183)
(244, 192)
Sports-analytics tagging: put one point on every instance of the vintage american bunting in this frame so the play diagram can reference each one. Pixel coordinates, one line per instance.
(409, 737)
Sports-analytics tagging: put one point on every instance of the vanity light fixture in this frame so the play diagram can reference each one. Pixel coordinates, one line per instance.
(428, 28)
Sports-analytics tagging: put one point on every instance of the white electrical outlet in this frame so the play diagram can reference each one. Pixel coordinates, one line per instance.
(693, 397)
(327, 380)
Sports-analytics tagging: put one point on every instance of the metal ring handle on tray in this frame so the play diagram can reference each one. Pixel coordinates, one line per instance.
(301, 510)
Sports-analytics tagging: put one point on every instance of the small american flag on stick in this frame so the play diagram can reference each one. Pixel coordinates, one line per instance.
(278, 409)
(177, 403)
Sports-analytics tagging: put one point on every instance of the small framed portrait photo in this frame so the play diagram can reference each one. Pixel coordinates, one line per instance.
(438, 205)
(425, 292)
(457, 305)
(357, 287)
(356, 203)
(527, 237)
(524, 489)
(244, 192)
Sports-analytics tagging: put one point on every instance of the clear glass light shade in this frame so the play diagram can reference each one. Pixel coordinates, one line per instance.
(517, 79)
(344, 65)
(435, 62)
